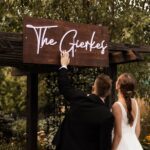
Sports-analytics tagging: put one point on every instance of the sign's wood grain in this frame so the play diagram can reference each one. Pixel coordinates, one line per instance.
(44, 40)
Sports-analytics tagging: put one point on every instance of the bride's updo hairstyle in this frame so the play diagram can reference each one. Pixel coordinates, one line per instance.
(126, 84)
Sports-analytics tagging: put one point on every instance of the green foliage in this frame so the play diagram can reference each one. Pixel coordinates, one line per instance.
(19, 129)
(141, 72)
(145, 126)
(5, 125)
(12, 92)
(128, 21)
(11, 146)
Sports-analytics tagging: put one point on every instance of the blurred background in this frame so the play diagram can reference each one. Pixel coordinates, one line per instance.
(128, 22)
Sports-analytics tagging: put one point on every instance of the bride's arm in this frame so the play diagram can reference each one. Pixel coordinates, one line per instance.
(138, 126)
(117, 126)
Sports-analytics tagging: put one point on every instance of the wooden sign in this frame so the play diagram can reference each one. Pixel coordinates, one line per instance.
(45, 39)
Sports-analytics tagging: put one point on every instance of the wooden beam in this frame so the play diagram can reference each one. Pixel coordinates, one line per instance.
(32, 110)
(126, 47)
(11, 48)
(18, 72)
(124, 57)
(16, 41)
(11, 53)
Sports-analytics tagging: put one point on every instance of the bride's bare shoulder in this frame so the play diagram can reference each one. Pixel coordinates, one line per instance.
(116, 108)
(115, 104)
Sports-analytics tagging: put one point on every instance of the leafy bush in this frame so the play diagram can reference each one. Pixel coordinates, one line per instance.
(5, 125)
(11, 146)
(145, 126)
(19, 129)
(146, 142)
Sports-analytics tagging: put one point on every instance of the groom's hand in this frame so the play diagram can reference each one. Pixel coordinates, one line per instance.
(64, 58)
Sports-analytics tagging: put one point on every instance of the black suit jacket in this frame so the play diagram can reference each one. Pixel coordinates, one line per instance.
(87, 125)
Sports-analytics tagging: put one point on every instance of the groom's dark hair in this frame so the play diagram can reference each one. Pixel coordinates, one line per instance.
(103, 84)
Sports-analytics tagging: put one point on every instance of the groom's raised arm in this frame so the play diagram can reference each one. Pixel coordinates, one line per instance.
(65, 87)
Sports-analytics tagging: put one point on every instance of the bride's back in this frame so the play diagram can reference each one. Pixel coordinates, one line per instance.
(134, 112)
(127, 116)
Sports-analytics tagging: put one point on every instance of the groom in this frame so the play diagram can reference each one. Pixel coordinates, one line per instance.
(88, 124)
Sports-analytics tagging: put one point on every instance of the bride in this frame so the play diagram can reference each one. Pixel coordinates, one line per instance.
(127, 116)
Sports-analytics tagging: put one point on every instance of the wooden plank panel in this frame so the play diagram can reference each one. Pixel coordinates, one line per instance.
(45, 39)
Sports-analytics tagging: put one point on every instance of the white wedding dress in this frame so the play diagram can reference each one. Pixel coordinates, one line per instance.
(129, 140)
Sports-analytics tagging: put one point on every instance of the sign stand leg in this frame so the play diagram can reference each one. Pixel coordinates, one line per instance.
(32, 110)
(113, 75)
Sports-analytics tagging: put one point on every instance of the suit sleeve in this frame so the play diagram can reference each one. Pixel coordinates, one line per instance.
(105, 132)
(65, 87)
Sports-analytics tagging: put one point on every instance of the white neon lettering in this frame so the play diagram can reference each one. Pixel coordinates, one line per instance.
(42, 40)
(40, 32)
